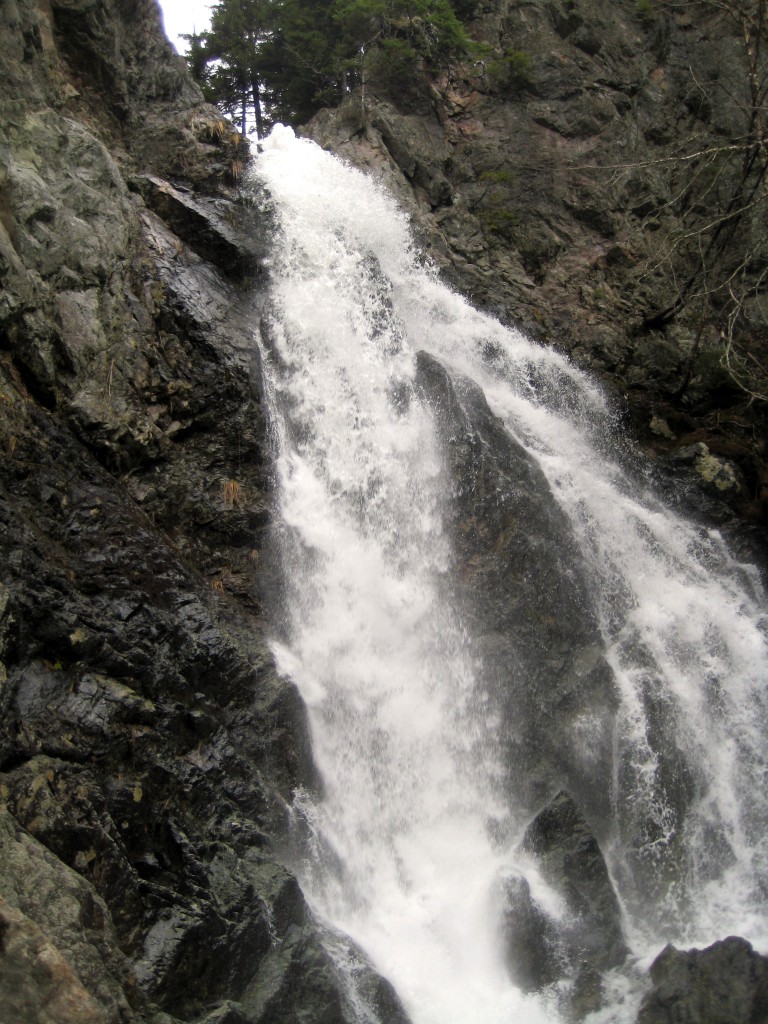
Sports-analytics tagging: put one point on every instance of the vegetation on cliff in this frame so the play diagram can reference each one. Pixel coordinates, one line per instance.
(269, 61)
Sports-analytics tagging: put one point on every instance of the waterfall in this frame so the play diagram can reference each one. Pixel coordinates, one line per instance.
(417, 820)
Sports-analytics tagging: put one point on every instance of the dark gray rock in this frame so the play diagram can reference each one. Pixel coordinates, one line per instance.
(530, 939)
(527, 603)
(571, 861)
(570, 950)
(148, 749)
(585, 938)
(300, 982)
(206, 224)
(726, 983)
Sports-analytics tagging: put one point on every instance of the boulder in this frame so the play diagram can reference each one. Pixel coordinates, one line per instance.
(726, 983)
(584, 938)
(529, 937)
(571, 861)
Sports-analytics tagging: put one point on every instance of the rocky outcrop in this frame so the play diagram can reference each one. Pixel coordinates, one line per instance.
(585, 938)
(529, 937)
(147, 746)
(570, 859)
(727, 983)
(544, 178)
(526, 603)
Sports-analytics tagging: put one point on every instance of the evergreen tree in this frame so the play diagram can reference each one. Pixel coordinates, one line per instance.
(388, 41)
(431, 26)
(197, 58)
(226, 59)
(284, 59)
(300, 62)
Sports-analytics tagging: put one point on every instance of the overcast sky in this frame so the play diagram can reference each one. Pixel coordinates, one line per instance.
(184, 16)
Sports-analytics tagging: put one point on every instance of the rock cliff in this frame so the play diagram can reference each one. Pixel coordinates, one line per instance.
(568, 181)
(148, 748)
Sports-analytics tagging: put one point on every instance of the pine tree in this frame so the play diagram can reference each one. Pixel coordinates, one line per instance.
(387, 42)
(270, 60)
(226, 59)
(300, 63)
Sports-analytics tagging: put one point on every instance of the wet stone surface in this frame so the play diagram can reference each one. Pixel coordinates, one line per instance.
(148, 748)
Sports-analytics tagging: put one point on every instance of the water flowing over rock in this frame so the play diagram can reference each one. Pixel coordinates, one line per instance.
(148, 748)
(571, 861)
(479, 607)
(534, 958)
(295, 643)
(543, 178)
(542, 949)
(529, 604)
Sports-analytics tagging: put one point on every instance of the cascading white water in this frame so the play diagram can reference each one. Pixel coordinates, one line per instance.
(403, 735)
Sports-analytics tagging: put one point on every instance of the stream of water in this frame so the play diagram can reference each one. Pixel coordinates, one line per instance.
(399, 854)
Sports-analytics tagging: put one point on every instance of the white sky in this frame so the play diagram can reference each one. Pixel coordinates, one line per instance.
(184, 16)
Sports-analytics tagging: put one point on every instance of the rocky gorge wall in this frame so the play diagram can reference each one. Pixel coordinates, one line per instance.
(148, 748)
(553, 182)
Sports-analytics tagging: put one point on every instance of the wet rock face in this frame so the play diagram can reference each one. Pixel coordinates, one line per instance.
(540, 179)
(526, 602)
(570, 859)
(585, 937)
(147, 746)
(529, 937)
(726, 983)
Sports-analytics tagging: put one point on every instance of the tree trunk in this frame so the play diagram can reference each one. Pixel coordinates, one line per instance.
(257, 111)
